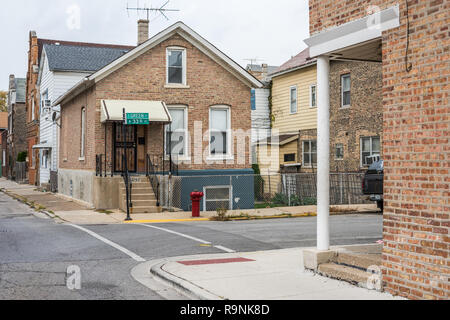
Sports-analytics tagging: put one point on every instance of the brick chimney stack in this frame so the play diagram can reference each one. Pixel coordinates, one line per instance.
(265, 70)
(142, 31)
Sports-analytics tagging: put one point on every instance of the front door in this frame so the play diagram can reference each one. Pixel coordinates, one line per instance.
(128, 142)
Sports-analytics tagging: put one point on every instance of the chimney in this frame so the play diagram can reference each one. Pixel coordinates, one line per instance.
(142, 31)
(265, 70)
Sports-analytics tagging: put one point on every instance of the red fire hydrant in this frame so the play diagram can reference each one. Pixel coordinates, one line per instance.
(195, 198)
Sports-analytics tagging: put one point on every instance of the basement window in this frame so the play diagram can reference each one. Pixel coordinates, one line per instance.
(217, 197)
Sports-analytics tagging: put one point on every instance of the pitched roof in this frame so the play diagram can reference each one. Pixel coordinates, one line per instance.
(20, 84)
(300, 60)
(177, 28)
(42, 42)
(81, 57)
(3, 120)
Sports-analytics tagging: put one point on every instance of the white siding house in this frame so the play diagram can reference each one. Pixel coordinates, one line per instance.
(260, 117)
(52, 84)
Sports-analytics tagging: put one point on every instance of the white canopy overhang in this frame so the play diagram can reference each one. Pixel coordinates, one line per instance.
(112, 110)
(43, 146)
(358, 40)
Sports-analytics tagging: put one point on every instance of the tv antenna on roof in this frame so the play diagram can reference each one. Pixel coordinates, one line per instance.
(150, 9)
(254, 61)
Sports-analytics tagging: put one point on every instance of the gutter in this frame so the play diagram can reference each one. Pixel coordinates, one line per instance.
(74, 91)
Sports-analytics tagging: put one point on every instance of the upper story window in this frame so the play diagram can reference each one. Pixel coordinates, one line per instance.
(45, 103)
(32, 109)
(176, 66)
(83, 132)
(293, 100)
(176, 132)
(219, 128)
(346, 86)
(313, 96)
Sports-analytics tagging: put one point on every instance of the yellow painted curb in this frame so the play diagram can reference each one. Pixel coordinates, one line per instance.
(167, 220)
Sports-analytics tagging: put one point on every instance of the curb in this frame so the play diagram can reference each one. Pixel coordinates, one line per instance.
(188, 288)
(21, 199)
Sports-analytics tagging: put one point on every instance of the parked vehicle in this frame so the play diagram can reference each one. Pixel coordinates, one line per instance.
(372, 183)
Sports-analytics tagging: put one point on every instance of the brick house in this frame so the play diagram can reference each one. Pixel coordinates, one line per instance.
(16, 139)
(415, 59)
(196, 97)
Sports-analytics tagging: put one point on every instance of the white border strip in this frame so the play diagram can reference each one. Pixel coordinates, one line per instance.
(112, 244)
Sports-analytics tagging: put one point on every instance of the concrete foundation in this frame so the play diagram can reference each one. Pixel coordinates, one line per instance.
(106, 192)
(76, 184)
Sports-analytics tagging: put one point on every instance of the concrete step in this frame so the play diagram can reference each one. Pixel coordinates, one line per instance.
(146, 209)
(363, 261)
(138, 190)
(143, 203)
(344, 273)
(137, 197)
(137, 185)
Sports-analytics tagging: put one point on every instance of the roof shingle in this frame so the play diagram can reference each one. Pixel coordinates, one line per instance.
(82, 57)
(302, 59)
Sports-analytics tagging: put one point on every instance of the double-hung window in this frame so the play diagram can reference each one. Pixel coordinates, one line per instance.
(370, 150)
(309, 153)
(346, 90)
(219, 128)
(313, 96)
(176, 66)
(176, 132)
(83, 133)
(293, 99)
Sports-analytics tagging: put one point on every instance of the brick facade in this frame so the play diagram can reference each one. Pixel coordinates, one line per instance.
(32, 96)
(416, 142)
(144, 78)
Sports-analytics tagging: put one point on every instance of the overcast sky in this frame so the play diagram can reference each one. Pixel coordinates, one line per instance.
(271, 30)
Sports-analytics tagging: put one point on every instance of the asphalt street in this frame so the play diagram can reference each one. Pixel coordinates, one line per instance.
(36, 252)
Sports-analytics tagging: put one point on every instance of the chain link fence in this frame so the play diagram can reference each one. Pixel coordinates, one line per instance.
(247, 191)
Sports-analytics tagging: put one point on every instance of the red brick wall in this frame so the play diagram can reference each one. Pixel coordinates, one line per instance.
(144, 79)
(416, 143)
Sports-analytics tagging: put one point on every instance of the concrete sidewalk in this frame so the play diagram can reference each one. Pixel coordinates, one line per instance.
(69, 210)
(268, 275)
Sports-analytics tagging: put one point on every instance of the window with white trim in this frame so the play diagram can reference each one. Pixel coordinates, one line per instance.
(4, 158)
(32, 109)
(217, 197)
(309, 153)
(293, 100)
(339, 151)
(219, 128)
(176, 66)
(370, 150)
(176, 132)
(346, 90)
(83, 132)
(313, 96)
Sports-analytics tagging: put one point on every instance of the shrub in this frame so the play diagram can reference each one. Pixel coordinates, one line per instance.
(22, 156)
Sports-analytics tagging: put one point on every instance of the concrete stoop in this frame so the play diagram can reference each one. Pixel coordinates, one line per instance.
(142, 197)
(353, 264)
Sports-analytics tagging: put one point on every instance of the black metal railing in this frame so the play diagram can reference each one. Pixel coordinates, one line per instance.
(151, 173)
(165, 165)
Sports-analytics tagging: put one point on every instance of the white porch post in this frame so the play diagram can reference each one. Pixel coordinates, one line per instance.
(323, 153)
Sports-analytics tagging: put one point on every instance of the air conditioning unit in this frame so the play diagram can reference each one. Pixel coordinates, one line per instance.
(47, 106)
